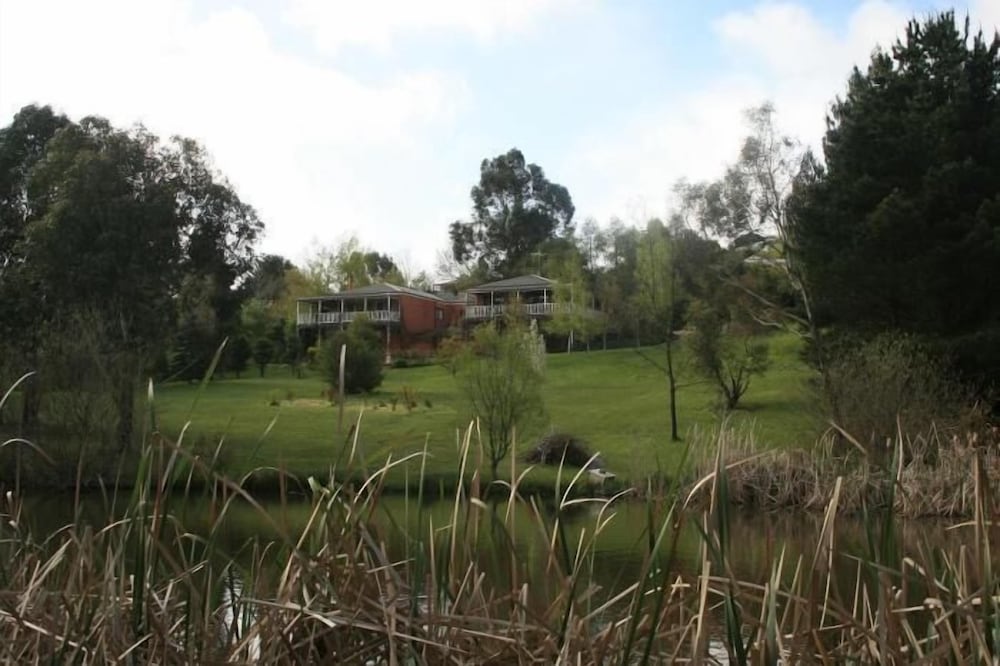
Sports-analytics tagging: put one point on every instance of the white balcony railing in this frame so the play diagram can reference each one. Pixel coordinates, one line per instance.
(530, 309)
(483, 311)
(325, 318)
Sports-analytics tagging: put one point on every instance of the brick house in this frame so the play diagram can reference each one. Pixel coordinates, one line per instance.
(409, 320)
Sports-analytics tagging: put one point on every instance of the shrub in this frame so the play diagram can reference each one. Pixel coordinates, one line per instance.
(728, 359)
(501, 375)
(263, 353)
(558, 448)
(363, 362)
(893, 382)
(449, 352)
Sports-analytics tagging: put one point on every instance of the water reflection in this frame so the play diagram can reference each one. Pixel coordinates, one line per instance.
(757, 538)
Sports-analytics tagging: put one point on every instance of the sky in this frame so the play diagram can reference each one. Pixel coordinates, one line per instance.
(370, 118)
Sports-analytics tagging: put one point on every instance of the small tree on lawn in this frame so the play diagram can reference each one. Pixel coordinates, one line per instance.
(501, 375)
(263, 352)
(363, 362)
(728, 359)
(295, 353)
(239, 354)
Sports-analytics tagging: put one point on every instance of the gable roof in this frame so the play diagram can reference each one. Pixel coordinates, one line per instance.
(380, 290)
(519, 283)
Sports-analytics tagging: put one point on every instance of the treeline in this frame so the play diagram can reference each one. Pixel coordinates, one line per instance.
(884, 253)
(125, 257)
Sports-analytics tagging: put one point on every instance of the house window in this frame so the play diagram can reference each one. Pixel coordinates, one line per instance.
(439, 314)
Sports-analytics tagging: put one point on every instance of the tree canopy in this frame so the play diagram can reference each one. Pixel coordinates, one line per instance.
(901, 228)
(515, 208)
(121, 228)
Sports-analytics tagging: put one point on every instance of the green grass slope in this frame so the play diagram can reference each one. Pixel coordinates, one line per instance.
(615, 400)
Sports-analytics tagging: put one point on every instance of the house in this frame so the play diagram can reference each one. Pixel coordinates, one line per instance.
(409, 320)
(532, 294)
(412, 321)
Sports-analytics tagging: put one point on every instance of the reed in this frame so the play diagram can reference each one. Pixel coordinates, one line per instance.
(931, 472)
(146, 587)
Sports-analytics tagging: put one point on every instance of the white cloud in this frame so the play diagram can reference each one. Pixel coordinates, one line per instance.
(986, 14)
(289, 133)
(376, 23)
(778, 51)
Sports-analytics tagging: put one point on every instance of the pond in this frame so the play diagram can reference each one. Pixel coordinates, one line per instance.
(618, 550)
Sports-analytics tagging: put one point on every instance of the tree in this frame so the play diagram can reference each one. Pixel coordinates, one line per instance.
(239, 353)
(22, 323)
(268, 282)
(197, 336)
(905, 215)
(728, 359)
(363, 363)
(501, 375)
(575, 319)
(110, 223)
(349, 265)
(657, 298)
(515, 208)
(263, 353)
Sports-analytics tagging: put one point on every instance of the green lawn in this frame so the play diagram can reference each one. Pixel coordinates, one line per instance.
(615, 400)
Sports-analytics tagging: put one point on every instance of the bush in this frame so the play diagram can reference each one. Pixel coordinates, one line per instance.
(558, 448)
(449, 352)
(893, 382)
(728, 357)
(501, 375)
(363, 362)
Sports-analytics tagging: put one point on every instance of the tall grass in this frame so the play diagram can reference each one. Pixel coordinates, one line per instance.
(144, 588)
(922, 475)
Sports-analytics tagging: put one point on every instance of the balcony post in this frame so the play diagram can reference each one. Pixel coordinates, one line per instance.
(388, 344)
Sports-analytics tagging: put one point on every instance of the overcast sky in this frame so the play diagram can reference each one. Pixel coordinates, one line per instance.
(371, 116)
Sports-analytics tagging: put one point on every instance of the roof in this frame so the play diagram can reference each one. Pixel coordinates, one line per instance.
(380, 290)
(519, 283)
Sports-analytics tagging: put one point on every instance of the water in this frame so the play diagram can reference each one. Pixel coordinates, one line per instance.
(757, 537)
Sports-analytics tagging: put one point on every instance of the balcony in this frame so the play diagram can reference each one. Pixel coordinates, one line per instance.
(333, 318)
(529, 309)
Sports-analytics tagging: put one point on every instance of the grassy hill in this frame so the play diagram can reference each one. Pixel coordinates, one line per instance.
(615, 400)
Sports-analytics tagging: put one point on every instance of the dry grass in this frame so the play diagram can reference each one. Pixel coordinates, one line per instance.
(927, 474)
(144, 589)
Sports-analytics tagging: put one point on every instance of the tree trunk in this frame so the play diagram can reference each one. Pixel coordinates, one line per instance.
(672, 381)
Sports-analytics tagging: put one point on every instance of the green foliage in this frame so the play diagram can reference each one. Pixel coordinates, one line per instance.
(114, 224)
(263, 353)
(515, 209)
(574, 319)
(449, 352)
(893, 382)
(349, 265)
(901, 229)
(238, 354)
(727, 358)
(501, 376)
(295, 352)
(363, 364)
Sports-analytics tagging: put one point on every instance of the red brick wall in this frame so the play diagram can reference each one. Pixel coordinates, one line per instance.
(416, 314)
